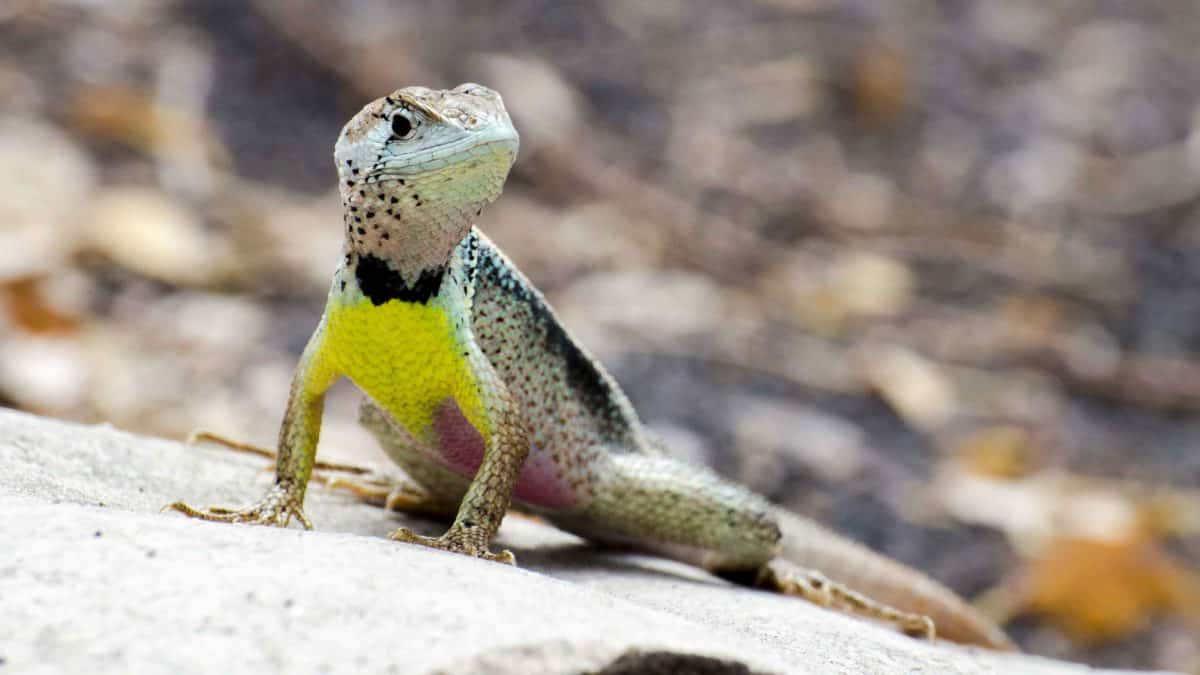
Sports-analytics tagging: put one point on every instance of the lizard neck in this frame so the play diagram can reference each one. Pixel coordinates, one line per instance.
(407, 227)
(379, 280)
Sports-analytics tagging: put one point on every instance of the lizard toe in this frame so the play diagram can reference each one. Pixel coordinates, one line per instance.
(276, 508)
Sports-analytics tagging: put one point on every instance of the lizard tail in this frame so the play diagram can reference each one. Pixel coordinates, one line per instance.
(807, 544)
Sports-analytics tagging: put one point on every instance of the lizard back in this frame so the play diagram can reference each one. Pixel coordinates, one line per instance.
(567, 397)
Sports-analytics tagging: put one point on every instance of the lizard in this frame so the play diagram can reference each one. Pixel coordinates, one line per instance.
(485, 400)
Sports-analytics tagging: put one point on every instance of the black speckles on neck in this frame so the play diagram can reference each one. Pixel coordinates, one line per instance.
(372, 217)
(381, 283)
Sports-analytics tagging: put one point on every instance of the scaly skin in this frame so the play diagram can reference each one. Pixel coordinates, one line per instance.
(484, 398)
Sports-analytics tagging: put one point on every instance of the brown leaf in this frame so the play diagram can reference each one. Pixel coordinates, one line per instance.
(1098, 591)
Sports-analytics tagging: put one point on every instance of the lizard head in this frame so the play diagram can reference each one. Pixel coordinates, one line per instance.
(415, 168)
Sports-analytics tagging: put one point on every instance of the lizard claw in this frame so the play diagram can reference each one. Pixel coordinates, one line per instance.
(457, 540)
(276, 508)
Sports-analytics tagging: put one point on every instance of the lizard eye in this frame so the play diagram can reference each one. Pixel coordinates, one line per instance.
(402, 126)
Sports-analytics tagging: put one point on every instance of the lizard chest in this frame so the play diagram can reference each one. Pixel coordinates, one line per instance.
(411, 361)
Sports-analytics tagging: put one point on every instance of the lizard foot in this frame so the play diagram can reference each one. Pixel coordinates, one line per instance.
(458, 539)
(276, 508)
(818, 589)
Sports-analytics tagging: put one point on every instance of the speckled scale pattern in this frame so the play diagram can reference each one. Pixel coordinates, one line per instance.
(574, 409)
(649, 499)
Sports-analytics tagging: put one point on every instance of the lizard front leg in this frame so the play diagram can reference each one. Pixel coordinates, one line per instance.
(490, 492)
(298, 438)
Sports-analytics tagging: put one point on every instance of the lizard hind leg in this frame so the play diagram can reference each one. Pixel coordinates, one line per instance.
(689, 513)
(389, 491)
(789, 579)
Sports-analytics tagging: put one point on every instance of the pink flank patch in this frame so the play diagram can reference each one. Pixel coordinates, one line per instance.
(461, 449)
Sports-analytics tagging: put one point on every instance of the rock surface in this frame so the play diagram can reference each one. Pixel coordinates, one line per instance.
(94, 579)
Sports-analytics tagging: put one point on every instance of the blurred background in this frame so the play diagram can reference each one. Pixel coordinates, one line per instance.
(927, 271)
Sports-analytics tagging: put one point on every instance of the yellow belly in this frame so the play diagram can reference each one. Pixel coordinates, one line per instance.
(407, 358)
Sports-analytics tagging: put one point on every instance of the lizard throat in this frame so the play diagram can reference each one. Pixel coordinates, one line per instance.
(381, 283)
(408, 225)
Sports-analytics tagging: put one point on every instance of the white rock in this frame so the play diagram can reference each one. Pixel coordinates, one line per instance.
(94, 579)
